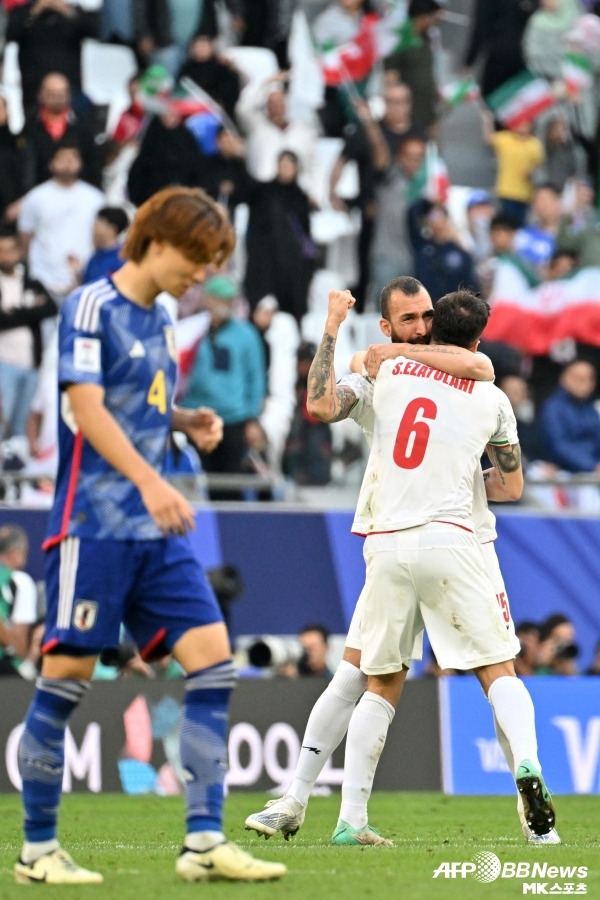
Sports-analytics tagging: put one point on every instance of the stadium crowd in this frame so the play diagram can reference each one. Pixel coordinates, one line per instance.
(333, 174)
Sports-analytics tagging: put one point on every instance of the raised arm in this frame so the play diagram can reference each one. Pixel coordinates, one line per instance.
(456, 361)
(505, 480)
(326, 400)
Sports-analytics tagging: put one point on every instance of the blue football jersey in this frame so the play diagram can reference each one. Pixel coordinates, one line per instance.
(129, 351)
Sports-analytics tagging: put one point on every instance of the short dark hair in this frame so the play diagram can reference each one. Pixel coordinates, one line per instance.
(321, 629)
(404, 283)
(8, 231)
(502, 220)
(552, 622)
(115, 216)
(12, 536)
(422, 8)
(459, 318)
(64, 144)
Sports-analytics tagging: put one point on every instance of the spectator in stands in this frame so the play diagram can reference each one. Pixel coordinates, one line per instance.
(56, 222)
(579, 229)
(133, 120)
(562, 264)
(281, 256)
(164, 27)
(215, 75)
(281, 338)
(516, 389)
(224, 173)
(569, 420)
(496, 36)
(480, 212)
(18, 606)
(395, 125)
(168, 155)
(518, 154)
(109, 227)
(416, 65)
(557, 650)
(24, 304)
(117, 22)
(503, 231)
(50, 34)
(526, 661)
(263, 114)
(11, 168)
(338, 23)
(265, 23)
(440, 261)
(544, 46)
(314, 640)
(308, 448)
(228, 374)
(559, 149)
(536, 242)
(391, 248)
(52, 123)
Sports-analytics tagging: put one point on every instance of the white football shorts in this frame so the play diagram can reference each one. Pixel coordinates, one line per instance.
(432, 576)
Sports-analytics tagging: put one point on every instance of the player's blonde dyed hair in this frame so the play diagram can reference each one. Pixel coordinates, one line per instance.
(187, 219)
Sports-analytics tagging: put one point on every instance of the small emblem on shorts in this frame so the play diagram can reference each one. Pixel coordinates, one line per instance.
(84, 615)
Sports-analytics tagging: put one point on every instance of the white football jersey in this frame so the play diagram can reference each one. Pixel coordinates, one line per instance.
(429, 432)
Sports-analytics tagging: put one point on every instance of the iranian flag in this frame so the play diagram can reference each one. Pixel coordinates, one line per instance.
(432, 180)
(577, 73)
(457, 92)
(353, 60)
(158, 94)
(520, 99)
(534, 319)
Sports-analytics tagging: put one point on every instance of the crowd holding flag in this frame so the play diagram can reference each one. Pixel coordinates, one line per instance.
(521, 99)
(534, 319)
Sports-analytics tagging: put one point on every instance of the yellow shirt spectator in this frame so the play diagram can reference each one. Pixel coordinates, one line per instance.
(518, 155)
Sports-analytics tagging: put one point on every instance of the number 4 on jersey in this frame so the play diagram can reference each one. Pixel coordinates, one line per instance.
(413, 433)
(157, 394)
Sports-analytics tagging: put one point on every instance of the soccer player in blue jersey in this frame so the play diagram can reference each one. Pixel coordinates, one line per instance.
(118, 550)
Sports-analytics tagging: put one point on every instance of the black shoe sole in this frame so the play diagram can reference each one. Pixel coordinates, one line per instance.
(539, 813)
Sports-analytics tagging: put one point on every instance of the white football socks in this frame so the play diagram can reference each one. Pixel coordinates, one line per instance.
(326, 726)
(514, 712)
(366, 739)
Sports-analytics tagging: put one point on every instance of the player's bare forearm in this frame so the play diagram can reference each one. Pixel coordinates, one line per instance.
(326, 400)
(457, 361)
(506, 482)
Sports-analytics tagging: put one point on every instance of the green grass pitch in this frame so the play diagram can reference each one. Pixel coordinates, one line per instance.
(133, 841)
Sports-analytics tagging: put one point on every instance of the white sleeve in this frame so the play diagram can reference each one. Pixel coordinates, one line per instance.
(506, 431)
(28, 218)
(24, 608)
(362, 411)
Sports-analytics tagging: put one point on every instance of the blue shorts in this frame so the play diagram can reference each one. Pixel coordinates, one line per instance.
(156, 589)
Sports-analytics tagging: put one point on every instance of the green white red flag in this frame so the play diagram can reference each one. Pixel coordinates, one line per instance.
(534, 319)
(464, 91)
(577, 73)
(520, 99)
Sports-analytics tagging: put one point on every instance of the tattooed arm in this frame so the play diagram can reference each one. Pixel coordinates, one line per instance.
(456, 361)
(505, 480)
(326, 400)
